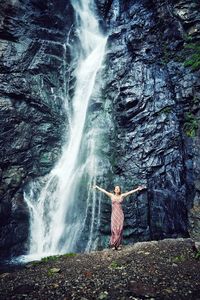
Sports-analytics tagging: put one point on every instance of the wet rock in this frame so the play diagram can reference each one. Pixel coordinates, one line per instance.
(140, 107)
(32, 99)
(148, 92)
(54, 270)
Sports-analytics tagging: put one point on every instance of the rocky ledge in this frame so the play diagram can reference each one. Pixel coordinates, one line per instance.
(164, 269)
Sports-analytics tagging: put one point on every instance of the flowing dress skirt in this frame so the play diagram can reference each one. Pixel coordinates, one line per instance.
(117, 222)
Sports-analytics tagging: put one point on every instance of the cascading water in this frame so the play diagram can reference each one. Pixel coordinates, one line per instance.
(57, 218)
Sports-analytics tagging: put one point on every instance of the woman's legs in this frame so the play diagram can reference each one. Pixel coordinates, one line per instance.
(117, 222)
(116, 237)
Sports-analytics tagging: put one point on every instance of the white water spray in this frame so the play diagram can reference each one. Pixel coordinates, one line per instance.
(55, 223)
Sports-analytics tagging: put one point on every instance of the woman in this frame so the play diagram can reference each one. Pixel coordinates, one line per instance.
(117, 216)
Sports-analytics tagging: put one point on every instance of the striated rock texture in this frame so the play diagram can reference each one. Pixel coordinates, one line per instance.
(151, 98)
(33, 70)
(146, 108)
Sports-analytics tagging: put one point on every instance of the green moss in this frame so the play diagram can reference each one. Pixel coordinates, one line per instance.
(50, 258)
(194, 62)
(56, 257)
(197, 255)
(69, 254)
(194, 46)
(187, 38)
(178, 258)
(194, 58)
(36, 263)
(190, 125)
(189, 54)
(49, 273)
(114, 265)
(165, 110)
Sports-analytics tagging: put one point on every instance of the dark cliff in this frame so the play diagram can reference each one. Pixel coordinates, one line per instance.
(32, 96)
(148, 109)
(151, 94)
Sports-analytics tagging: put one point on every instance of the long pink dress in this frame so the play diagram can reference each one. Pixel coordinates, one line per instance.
(117, 222)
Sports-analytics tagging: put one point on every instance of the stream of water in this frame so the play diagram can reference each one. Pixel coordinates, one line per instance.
(56, 216)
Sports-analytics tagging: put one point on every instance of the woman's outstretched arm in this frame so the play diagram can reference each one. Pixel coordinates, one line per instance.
(139, 188)
(102, 190)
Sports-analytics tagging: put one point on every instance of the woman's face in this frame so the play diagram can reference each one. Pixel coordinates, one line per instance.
(117, 190)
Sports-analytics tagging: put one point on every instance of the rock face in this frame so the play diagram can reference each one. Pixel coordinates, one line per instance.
(32, 81)
(152, 100)
(147, 111)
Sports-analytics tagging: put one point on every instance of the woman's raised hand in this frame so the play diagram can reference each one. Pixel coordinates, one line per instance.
(141, 187)
(94, 186)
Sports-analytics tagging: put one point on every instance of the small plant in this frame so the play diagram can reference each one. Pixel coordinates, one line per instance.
(178, 258)
(56, 257)
(69, 254)
(103, 295)
(114, 265)
(49, 273)
(50, 258)
(191, 124)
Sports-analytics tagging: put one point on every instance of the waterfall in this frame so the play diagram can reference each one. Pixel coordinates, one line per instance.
(57, 216)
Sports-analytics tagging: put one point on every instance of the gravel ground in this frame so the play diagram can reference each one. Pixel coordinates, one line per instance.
(165, 269)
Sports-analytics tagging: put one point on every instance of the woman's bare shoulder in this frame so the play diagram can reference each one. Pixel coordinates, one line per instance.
(111, 195)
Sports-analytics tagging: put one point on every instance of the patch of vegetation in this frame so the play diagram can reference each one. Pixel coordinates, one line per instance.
(187, 38)
(50, 258)
(179, 258)
(197, 254)
(188, 53)
(103, 295)
(165, 110)
(194, 59)
(115, 266)
(71, 254)
(56, 257)
(190, 125)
